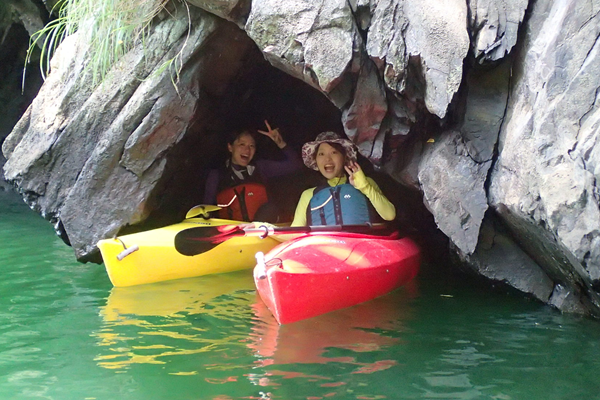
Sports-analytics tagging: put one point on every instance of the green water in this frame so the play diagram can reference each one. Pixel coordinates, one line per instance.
(65, 333)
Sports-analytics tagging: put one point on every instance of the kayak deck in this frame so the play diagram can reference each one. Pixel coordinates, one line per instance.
(316, 274)
(156, 259)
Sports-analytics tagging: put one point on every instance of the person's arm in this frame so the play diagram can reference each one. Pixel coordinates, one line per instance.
(210, 187)
(300, 214)
(369, 188)
(271, 168)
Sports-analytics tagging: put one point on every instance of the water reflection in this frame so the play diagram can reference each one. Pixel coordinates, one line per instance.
(361, 328)
(341, 337)
(148, 324)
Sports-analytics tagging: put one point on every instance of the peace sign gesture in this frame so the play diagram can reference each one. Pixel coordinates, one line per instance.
(352, 168)
(274, 135)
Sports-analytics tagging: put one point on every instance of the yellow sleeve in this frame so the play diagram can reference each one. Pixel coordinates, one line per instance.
(300, 214)
(369, 188)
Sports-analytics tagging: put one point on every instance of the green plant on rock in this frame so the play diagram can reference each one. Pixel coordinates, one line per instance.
(111, 27)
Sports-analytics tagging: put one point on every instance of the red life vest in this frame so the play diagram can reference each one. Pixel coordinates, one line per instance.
(241, 202)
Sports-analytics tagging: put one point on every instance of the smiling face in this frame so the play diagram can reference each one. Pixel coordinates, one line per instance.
(242, 149)
(330, 161)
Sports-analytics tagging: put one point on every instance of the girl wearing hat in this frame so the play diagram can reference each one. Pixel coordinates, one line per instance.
(348, 197)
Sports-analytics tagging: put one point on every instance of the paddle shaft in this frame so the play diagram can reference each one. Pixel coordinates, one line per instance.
(198, 240)
(268, 230)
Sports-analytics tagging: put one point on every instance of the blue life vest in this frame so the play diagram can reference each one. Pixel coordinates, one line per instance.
(339, 205)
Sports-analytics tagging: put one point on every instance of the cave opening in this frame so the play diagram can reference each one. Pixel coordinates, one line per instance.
(239, 90)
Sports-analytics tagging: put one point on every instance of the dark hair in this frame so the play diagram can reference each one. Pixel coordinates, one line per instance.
(336, 146)
(237, 134)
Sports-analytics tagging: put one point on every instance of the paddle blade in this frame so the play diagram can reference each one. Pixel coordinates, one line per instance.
(193, 241)
(201, 209)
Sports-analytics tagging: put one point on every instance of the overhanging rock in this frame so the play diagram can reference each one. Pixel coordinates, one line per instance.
(453, 189)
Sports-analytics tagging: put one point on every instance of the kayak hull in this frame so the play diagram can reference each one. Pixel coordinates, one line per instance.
(150, 256)
(317, 274)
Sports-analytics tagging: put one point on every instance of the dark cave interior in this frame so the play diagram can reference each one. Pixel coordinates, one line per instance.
(238, 100)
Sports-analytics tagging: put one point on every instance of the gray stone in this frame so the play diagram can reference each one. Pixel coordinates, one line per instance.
(452, 185)
(499, 258)
(494, 25)
(79, 154)
(546, 173)
(567, 300)
(311, 40)
(434, 34)
(232, 10)
(26, 12)
(362, 120)
(485, 108)
(386, 44)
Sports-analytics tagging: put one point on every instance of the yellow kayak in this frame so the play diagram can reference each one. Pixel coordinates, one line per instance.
(150, 256)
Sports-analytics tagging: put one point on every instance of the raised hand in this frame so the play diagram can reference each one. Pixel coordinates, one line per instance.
(274, 135)
(352, 168)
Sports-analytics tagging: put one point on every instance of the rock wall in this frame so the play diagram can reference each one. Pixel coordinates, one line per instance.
(544, 182)
(83, 154)
(486, 108)
(18, 20)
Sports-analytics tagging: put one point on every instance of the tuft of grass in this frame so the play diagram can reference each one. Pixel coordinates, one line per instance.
(112, 27)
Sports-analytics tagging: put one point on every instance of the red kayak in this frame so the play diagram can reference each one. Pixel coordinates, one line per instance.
(315, 274)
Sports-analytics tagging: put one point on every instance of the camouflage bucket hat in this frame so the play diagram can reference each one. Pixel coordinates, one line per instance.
(309, 149)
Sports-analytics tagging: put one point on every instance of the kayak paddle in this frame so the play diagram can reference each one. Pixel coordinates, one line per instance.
(192, 241)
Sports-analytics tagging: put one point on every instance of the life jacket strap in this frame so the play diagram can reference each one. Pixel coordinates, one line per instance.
(242, 199)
